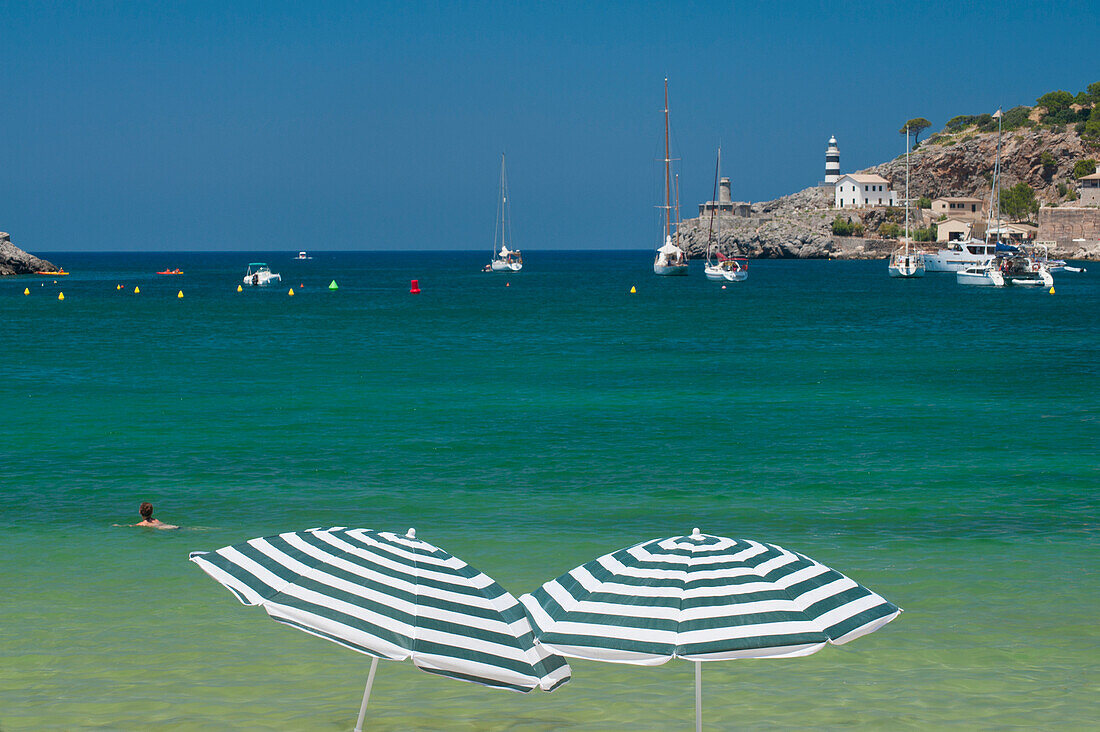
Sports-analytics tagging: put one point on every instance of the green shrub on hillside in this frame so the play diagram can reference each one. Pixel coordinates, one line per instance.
(1084, 167)
(1063, 189)
(841, 226)
(1092, 127)
(926, 234)
(889, 230)
(1018, 202)
(924, 202)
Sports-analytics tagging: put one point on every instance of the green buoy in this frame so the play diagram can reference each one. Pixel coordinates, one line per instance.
(332, 285)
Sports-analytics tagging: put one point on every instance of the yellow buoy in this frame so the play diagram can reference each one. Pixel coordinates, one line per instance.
(26, 290)
(633, 290)
(240, 289)
(1052, 291)
(118, 287)
(291, 293)
(61, 296)
(137, 290)
(180, 294)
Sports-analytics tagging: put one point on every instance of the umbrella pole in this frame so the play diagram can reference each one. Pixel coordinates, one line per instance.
(698, 696)
(366, 694)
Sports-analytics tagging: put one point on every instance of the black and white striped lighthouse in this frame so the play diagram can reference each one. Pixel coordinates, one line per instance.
(832, 162)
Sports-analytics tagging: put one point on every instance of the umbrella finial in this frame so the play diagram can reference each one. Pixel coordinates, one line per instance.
(411, 534)
(695, 533)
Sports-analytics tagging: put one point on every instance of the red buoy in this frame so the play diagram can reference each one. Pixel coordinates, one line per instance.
(415, 289)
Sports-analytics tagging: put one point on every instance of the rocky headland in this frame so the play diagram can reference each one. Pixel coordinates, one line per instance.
(14, 261)
(799, 226)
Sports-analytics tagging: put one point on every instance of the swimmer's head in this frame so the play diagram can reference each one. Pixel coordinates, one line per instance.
(146, 510)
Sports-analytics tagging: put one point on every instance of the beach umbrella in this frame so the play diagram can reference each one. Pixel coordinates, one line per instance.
(393, 597)
(701, 598)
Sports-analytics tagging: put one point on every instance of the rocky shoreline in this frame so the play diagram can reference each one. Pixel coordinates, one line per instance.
(799, 226)
(15, 261)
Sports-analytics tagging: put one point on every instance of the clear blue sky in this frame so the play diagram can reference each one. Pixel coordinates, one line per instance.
(313, 125)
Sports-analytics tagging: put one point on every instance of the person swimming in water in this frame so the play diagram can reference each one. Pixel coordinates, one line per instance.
(147, 520)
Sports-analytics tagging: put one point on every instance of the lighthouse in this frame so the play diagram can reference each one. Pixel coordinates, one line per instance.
(832, 162)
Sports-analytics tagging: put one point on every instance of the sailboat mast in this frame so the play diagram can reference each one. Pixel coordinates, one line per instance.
(677, 209)
(668, 173)
(907, 191)
(710, 225)
(997, 176)
(718, 199)
(503, 204)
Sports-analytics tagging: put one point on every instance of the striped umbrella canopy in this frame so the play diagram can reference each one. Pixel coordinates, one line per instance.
(393, 597)
(701, 598)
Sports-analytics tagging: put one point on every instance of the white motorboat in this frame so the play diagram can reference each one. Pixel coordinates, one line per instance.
(904, 264)
(671, 259)
(259, 274)
(1019, 266)
(303, 255)
(957, 256)
(980, 275)
(504, 259)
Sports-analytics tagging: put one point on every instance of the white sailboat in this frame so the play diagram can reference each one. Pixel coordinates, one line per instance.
(504, 259)
(723, 269)
(671, 259)
(903, 263)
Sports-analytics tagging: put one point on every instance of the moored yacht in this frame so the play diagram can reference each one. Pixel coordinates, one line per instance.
(259, 274)
(504, 259)
(957, 256)
(903, 263)
(671, 259)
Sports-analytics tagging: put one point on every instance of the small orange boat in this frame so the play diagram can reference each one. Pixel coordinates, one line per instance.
(171, 271)
(55, 274)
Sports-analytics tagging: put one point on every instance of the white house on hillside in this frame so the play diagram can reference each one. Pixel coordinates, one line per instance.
(857, 190)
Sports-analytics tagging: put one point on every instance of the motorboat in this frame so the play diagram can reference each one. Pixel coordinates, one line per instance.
(957, 256)
(980, 275)
(259, 274)
(903, 263)
(671, 259)
(1021, 266)
(303, 256)
(504, 259)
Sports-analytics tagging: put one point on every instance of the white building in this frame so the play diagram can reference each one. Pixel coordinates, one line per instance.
(857, 190)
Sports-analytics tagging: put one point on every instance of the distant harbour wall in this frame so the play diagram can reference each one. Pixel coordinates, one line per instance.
(1064, 224)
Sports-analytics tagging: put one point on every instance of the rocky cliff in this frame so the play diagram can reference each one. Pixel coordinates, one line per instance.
(959, 164)
(14, 260)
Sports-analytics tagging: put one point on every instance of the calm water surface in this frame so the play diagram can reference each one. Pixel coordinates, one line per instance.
(937, 443)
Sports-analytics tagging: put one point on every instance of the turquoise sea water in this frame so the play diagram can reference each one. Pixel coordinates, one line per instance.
(937, 443)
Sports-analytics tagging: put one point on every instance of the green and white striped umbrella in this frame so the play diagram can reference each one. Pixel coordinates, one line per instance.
(701, 598)
(392, 597)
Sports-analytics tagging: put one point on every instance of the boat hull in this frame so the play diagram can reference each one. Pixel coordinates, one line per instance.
(502, 266)
(718, 274)
(670, 270)
(906, 272)
(262, 281)
(984, 278)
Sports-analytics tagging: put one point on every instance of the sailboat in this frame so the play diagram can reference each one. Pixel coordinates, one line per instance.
(504, 259)
(1011, 265)
(670, 259)
(902, 262)
(724, 269)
